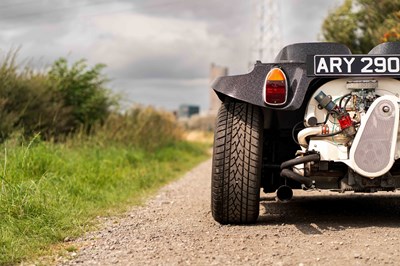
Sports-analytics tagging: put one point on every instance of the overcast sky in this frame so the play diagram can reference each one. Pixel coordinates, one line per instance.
(157, 52)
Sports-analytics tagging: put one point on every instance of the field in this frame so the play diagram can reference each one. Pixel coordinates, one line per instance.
(50, 192)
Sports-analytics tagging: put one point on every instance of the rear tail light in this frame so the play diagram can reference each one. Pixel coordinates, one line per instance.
(275, 91)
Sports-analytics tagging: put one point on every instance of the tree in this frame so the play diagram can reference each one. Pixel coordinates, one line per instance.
(362, 24)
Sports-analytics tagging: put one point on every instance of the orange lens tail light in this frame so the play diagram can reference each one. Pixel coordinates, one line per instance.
(275, 92)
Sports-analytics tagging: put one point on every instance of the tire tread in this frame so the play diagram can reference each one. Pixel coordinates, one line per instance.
(237, 164)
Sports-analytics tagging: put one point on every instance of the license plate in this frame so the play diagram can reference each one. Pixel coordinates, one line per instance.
(356, 65)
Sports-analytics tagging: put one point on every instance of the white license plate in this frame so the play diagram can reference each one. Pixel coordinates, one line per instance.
(356, 65)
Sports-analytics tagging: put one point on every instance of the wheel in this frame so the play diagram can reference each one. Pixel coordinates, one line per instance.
(236, 169)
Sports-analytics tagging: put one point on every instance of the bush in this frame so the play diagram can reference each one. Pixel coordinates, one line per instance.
(143, 127)
(55, 103)
(82, 91)
(26, 103)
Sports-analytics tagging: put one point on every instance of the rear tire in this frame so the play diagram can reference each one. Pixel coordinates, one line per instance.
(237, 159)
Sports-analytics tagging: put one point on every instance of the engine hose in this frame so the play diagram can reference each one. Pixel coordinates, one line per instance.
(296, 177)
(305, 159)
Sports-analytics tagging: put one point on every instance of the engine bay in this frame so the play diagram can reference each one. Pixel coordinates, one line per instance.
(353, 125)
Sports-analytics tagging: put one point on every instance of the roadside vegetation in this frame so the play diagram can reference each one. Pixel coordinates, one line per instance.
(67, 156)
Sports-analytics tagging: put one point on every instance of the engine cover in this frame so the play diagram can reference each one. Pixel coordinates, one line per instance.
(372, 153)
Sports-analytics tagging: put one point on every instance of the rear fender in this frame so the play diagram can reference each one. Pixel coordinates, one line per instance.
(249, 87)
(292, 60)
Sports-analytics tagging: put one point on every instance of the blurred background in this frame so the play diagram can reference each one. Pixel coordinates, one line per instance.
(162, 53)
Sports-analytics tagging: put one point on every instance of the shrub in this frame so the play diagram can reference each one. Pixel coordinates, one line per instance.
(83, 91)
(144, 127)
(55, 103)
(26, 103)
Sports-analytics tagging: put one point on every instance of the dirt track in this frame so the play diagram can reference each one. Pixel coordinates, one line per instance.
(176, 227)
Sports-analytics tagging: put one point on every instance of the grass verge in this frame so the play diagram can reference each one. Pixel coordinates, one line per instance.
(53, 191)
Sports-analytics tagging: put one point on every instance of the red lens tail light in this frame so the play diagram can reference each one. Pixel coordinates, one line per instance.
(275, 92)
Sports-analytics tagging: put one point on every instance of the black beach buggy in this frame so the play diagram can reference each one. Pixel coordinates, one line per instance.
(318, 117)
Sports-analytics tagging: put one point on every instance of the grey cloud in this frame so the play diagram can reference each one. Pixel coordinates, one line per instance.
(304, 18)
(225, 17)
(163, 67)
(48, 29)
(27, 12)
(200, 10)
(31, 13)
(169, 92)
(195, 57)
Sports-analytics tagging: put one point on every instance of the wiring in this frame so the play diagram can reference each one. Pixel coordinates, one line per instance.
(328, 114)
(293, 132)
(341, 100)
(345, 104)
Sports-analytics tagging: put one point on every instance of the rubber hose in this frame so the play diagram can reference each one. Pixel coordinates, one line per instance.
(296, 177)
(305, 159)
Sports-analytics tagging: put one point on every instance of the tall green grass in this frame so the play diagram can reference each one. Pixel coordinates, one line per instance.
(53, 191)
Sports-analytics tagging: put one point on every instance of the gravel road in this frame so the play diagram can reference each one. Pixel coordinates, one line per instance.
(176, 228)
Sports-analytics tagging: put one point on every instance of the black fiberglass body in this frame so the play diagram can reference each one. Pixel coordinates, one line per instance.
(246, 160)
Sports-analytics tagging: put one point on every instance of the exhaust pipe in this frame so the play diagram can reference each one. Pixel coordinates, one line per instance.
(284, 194)
(287, 173)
